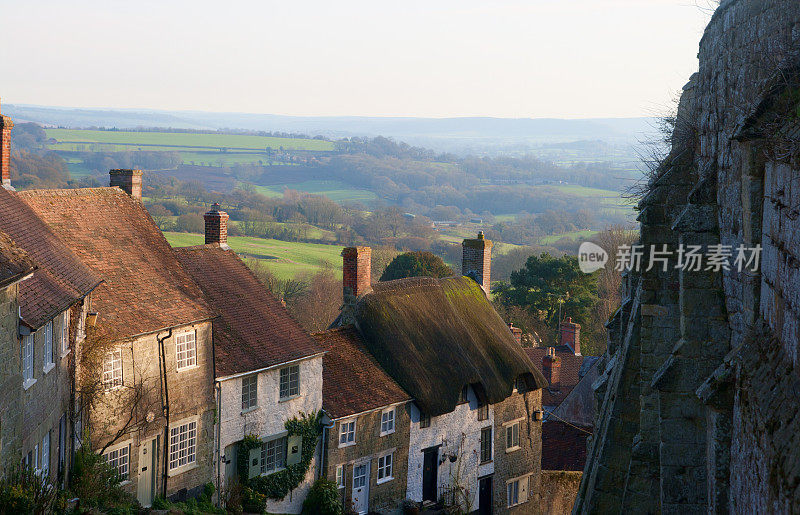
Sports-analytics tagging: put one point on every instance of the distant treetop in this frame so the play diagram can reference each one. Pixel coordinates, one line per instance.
(416, 264)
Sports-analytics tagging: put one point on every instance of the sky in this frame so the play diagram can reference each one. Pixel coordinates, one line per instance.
(431, 58)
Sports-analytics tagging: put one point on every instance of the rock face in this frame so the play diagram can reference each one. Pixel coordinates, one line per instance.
(699, 390)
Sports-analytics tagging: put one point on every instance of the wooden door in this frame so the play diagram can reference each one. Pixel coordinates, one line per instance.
(485, 492)
(361, 487)
(148, 449)
(430, 473)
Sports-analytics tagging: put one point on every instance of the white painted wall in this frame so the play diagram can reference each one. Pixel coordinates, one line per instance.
(449, 431)
(268, 419)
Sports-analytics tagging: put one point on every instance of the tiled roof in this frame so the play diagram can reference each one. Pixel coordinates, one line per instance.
(14, 261)
(60, 280)
(145, 289)
(254, 330)
(570, 372)
(352, 381)
(563, 446)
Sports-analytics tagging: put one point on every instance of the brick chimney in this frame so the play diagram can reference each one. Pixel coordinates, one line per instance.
(516, 332)
(551, 367)
(5, 151)
(129, 181)
(356, 271)
(569, 334)
(216, 225)
(476, 260)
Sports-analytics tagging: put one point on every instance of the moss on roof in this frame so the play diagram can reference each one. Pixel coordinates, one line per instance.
(434, 336)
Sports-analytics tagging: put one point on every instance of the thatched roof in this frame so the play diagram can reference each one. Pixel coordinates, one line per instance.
(435, 336)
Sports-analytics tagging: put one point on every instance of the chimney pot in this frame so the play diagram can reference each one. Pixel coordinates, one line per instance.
(5, 151)
(356, 271)
(216, 222)
(551, 367)
(129, 181)
(476, 260)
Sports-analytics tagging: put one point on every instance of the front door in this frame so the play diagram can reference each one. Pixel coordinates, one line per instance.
(485, 495)
(147, 466)
(361, 487)
(430, 472)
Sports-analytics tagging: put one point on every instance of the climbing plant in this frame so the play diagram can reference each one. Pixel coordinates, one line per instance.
(278, 485)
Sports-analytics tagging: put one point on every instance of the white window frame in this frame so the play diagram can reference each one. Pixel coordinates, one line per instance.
(385, 471)
(340, 479)
(113, 371)
(189, 427)
(513, 427)
(28, 354)
(119, 457)
(283, 442)
(64, 335)
(347, 432)
(46, 454)
(250, 398)
(186, 350)
(388, 421)
(36, 458)
(516, 491)
(47, 362)
(290, 370)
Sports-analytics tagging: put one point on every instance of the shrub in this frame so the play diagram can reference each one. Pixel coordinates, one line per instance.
(23, 491)
(323, 499)
(97, 484)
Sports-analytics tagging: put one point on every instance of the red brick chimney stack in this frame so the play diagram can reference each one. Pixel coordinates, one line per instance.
(5, 151)
(129, 181)
(356, 271)
(476, 260)
(551, 367)
(570, 335)
(216, 225)
(516, 332)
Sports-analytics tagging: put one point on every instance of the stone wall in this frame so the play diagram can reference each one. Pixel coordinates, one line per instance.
(11, 430)
(698, 390)
(559, 489)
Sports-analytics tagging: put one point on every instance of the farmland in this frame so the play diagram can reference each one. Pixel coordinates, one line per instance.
(337, 191)
(285, 259)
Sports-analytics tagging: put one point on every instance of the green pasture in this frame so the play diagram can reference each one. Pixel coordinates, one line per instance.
(335, 190)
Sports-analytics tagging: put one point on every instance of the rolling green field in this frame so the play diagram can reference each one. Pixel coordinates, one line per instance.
(285, 259)
(187, 141)
(334, 190)
(575, 235)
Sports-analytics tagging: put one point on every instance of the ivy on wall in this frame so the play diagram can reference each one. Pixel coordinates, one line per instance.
(278, 485)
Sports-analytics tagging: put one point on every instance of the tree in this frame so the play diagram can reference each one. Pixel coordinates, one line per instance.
(416, 264)
(548, 286)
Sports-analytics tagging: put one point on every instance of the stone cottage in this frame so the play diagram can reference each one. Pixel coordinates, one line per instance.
(38, 417)
(698, 390)
(475, 434)
(147, 368)
(268, 370)
(365, 447)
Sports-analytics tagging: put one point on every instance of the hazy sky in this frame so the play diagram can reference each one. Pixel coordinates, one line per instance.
(505, 58)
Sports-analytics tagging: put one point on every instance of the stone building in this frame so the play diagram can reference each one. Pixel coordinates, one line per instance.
(39, 419)
(268, 370)
(148, 392)
(698, 389)
(365, 447)
(475, 430)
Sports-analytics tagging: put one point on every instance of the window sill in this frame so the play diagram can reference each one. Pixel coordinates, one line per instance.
(66, 353)
(513, 449)
(249, 410)
(28, 383)
(348, 444)
(387, 433)
(50, 366)
(186, 369)
(270, 472)
(180, 470)
(289, 398)
(485, 462)
(384, 480)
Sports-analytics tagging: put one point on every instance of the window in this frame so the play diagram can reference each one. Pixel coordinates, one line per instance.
(186, 350)
(387, 422)
(513, 493)
(36, 458)
(385, 468)
(359, 476)
(120, 460)
(483, 412)
(512, 436)
(249, 392)
(48, 345)
(273, 455)
(112, 370)
(46, 454)
(424, 421)
(340, 476)
(290, 381)
(347, 433)
(517, 491)
(182, 445)
(486, 444)
(27, 358)
(462, 397)
(64, 337)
